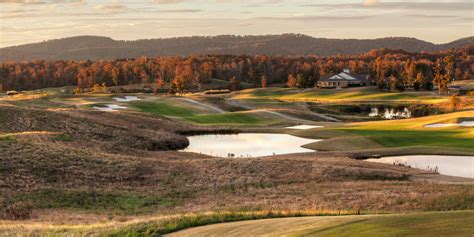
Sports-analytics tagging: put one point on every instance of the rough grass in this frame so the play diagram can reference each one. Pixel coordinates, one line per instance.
(121, 203)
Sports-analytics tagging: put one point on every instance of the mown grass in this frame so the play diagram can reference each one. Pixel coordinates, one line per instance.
(411, 132)
(195, 220)
(346, 95)
(123, 203)
(419, 224)
(164, 109)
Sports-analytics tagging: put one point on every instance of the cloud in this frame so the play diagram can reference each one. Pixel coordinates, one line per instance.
(370, 2)
(432, 16)
(413, 5)
(167, 1)
(112, 7)
(23, 1)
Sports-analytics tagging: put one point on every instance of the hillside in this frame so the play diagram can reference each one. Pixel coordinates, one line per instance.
(95, 47)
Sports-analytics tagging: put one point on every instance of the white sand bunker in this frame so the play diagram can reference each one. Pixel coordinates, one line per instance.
(109, 108)
(126, 99)
(466, 124)
(442, 125)
(304, 127)
(439, 125)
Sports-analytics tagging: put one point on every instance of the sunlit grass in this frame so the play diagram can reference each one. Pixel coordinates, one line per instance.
(165, 109)
(411, 132)
(338, 95)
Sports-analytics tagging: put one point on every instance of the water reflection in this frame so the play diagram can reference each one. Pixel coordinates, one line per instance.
(390, 113)
(247, 144)
(461, 166)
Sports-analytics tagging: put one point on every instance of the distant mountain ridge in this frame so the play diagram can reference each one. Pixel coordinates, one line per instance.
(98, 47)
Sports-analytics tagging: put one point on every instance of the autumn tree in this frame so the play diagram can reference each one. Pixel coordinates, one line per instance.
(263, 81)
(291, 82)
(449, 70)
(234, 84)
(115, 75)
(419, 82)
(439, 78)
(159, 83)
(455, 102)
(300, 80)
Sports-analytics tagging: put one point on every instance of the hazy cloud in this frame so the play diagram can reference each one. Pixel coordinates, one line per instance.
(413, 5)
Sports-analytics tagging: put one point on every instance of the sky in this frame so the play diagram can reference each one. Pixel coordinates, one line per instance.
(29, 21)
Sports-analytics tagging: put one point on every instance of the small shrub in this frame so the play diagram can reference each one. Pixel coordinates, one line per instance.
(63, 138)
(19, 211)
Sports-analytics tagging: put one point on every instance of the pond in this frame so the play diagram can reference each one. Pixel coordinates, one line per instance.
(248, 144)
(461, 166)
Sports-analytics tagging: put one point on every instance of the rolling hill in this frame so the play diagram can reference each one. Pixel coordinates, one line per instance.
(97, 47)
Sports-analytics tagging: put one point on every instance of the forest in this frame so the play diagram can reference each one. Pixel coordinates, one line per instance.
(389, 69)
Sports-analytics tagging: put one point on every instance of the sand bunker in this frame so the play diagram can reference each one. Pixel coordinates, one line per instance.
(109, 108)
(442, 125)
(126, 99)
(466, 124)
(305, 127)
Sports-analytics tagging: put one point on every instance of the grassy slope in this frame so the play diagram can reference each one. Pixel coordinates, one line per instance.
(346, 95)
(165, 109)
(395, 134)
(415, 224)
(411, 132)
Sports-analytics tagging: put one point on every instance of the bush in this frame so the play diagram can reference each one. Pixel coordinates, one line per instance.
(18, 211)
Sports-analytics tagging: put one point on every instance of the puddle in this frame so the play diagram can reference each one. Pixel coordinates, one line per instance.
(248, 144)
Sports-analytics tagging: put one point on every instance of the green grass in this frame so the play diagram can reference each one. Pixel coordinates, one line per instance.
(224, 118)
(401, 138)
(398, 137)
(411, 132)
(164, 109)
(413, 224)
(189, 221)
(345, 95)
(421, 224)
(96, 201)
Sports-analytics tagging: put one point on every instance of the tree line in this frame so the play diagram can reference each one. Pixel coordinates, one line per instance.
(389, 69)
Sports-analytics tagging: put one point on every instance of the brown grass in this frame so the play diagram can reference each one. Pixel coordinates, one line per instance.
(106, 157)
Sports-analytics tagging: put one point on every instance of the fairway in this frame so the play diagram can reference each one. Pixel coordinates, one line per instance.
(165, 109)
(406, 133)
(415, 224)
(361, 94)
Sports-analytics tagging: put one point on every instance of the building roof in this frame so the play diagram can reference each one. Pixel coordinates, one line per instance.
(345, 76)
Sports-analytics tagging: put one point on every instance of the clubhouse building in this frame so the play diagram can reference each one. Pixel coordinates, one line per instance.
(343, 80)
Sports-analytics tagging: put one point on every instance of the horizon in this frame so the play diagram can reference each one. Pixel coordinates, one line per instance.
(243, 35)
(32, 21)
